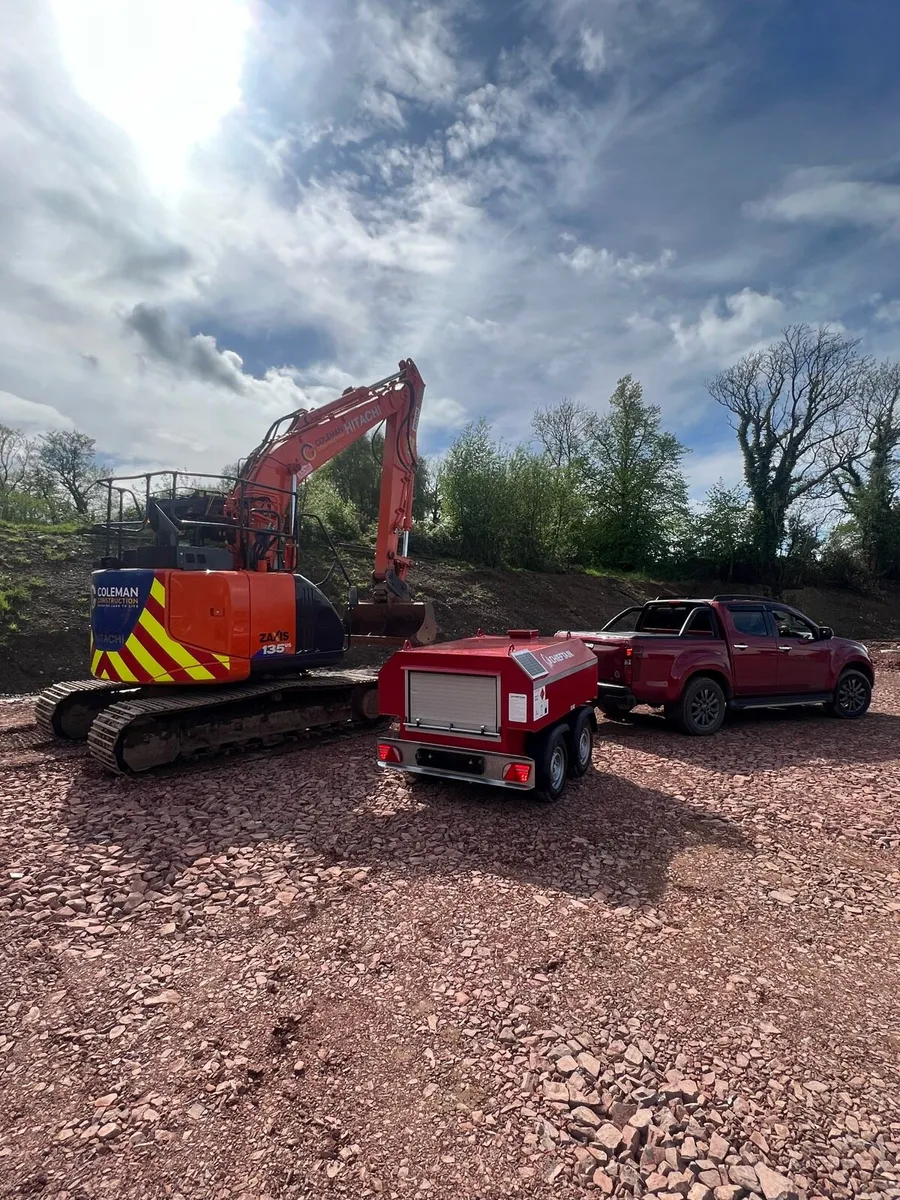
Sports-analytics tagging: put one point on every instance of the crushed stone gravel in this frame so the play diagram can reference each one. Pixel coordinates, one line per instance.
(302, 977)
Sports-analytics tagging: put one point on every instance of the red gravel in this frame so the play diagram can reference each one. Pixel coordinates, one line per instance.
(300, 977)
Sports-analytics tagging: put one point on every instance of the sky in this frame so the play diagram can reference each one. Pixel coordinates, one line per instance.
(213, 212)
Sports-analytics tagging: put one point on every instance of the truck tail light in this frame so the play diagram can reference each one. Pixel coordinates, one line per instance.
(628, 665)
(517, 772)
(388, 753)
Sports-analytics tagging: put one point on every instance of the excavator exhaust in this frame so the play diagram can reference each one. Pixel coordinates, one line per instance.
(393, 622)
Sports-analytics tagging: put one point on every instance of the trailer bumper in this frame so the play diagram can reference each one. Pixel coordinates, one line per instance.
(447, 762)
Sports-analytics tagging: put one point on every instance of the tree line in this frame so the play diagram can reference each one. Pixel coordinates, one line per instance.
(816, 420)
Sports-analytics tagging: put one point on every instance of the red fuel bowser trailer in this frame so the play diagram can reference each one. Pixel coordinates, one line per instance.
(515, 711)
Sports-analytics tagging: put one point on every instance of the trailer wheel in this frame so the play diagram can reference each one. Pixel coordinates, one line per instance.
(582, 743)
(552, 765)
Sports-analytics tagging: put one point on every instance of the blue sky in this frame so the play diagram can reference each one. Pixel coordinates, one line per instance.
(215, 211)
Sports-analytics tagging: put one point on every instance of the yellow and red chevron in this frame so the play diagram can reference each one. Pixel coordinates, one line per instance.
(151, 656)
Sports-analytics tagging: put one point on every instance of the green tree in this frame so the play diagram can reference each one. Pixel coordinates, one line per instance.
(638, 495)
(723, 530)
(867, 477)
(563, 433)
(791, 405)
(475, 497)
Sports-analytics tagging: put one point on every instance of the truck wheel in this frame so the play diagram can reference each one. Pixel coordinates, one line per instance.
(852, 696)
(552, 765)
(582, 743)
(701, 709)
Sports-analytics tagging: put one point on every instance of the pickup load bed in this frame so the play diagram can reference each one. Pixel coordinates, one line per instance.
(695, 659)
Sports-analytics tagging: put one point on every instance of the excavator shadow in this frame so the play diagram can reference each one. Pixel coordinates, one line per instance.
(607, 838)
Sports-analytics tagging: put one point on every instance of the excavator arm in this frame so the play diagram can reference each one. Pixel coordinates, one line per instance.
(263, 502)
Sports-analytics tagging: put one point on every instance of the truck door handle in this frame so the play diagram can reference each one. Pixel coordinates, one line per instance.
(786, 648)
(740, 646)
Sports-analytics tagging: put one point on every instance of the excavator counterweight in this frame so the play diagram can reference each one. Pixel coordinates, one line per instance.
(205, 635)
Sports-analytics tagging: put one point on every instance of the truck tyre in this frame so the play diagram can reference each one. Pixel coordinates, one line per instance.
(852, 696)
(701, 709)
(616, 710)
(582, 743)
(551, 765)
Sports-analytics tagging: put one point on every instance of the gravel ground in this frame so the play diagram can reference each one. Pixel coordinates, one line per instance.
(300, 977)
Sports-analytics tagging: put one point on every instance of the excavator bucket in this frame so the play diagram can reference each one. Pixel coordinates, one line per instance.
(393, 622)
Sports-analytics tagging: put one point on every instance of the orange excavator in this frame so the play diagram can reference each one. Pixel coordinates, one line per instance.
(205, 635)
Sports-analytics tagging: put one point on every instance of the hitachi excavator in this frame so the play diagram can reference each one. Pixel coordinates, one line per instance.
(205, 636)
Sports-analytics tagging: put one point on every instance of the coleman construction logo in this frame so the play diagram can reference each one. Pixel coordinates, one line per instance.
(112, 595)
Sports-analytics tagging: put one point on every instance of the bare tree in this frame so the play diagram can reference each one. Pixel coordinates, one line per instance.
(867, 474)
(793, 406)
(16, 453)
(67, 457)
(562, 432)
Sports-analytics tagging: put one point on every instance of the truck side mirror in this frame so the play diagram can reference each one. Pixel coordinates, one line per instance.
(825, 632)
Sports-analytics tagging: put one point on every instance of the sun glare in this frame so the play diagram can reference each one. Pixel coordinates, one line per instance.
(165, 71)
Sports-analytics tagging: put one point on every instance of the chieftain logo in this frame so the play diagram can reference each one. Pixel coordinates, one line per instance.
(559, 656)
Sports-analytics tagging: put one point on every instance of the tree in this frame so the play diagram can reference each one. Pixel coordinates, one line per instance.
(720, 538)
(66, 460)
(637, 494)
(563, 432)
(475, 498)
(791, 405)
(867, 474)
(16, 454)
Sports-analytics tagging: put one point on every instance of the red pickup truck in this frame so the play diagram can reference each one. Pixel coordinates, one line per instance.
(697, 658)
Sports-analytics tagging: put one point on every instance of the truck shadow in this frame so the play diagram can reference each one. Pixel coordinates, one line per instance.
(763, 739)
(607, 837)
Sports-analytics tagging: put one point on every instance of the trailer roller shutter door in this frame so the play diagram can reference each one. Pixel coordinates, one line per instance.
(465, 703)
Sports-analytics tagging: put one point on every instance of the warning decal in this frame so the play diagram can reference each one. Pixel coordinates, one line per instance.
(541, 703)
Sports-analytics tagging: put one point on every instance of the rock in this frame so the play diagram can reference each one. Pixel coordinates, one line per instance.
(108, 1131)
(679, 1181)
(783, 897)
(699, 1191)
(609, 1137)
(655, 1182)
(640, 1119)
(719, 1149)
(566, 1064)
(590, 1065)
(556, 1093)
(774, 1186)
(631, 1139)
(584, 1116)
(196, 1111)
(652, 1157)
(814, 1086)
(634, 1057)
(601, 1180)
(689, 1149)
(744, 1176)
(620, 1114)
(728, 1191)
(170, 996)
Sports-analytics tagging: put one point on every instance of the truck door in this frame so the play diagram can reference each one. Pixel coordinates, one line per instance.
(804, 661)
(753, 649)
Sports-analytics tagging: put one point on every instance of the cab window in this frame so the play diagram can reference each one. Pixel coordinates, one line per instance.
(751, 621)
(791, 625)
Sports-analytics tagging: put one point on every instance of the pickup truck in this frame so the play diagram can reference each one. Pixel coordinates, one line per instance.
(696, 659)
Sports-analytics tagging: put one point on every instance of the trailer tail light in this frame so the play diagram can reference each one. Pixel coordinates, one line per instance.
(517, 772)
(388, 753)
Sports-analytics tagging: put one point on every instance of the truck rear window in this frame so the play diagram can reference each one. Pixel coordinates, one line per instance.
(667, 618)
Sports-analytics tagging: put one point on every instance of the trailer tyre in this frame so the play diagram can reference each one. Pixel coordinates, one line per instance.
(701, 709)
(552, 765)
(582, 744)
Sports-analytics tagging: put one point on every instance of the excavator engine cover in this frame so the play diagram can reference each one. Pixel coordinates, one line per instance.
(395, 621)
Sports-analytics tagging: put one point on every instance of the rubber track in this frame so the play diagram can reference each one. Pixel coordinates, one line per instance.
(111, 725)
(49, 701)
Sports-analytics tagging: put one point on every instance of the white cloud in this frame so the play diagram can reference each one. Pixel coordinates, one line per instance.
(889, 313)
(704, 470)
(606, 263)
(30, 415)
(829, 196)
(719, 336)
(591, 50)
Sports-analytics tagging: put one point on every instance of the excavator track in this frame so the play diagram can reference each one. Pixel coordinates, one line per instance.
(133, 736)
(67, 710)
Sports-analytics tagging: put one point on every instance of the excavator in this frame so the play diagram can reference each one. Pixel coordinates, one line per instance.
(205, 636)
